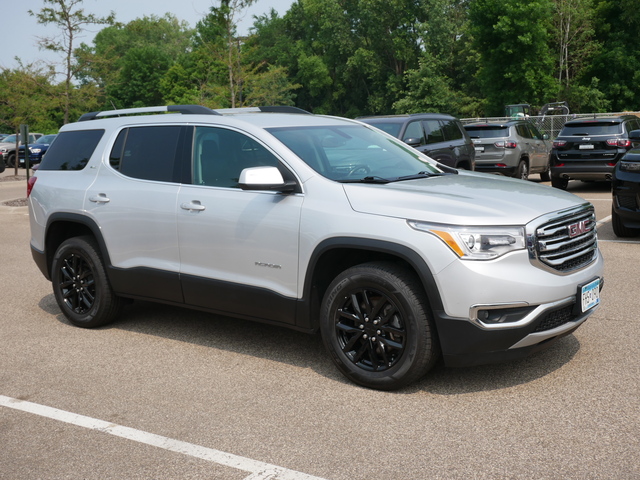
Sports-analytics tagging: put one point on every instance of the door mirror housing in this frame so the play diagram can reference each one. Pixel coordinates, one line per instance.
(265, 178)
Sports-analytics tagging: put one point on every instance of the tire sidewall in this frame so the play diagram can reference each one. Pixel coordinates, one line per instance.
(403, 371)
(83, 249)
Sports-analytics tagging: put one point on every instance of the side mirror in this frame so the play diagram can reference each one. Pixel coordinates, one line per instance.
(634, 135)
(413, 142)
(264, 178)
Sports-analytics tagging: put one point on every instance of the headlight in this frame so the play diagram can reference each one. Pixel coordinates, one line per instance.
(35, 150)
(476, 243)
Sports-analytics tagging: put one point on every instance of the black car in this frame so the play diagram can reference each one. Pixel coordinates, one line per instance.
(36, 150)
(440, 136)
(625, 211)
(589, 148)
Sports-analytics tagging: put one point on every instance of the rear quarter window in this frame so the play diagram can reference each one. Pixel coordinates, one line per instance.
(71, 150)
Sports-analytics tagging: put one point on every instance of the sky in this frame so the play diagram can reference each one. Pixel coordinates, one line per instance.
(20, 31)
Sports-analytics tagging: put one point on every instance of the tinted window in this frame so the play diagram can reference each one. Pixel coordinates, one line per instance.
(487, 132)
(392, 128)
(592, 128)
(414, 131)
(71, 150)
(149, 153)
(219, 155)
(523, 131)
(433, 129)
(451, 130)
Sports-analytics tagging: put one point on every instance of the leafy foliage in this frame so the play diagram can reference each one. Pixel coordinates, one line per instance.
(341, 57)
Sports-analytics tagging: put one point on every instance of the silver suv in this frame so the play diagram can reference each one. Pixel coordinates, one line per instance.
(313, 222)
(515, 148)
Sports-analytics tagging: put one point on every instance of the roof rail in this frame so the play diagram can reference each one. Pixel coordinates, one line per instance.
(265, 109)
(183, 109)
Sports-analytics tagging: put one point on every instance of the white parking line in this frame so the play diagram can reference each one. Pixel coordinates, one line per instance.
(258, 470)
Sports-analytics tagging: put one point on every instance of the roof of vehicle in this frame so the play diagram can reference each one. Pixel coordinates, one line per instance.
(403, 117)
(262, 117)
(508, 123)
(616, 119)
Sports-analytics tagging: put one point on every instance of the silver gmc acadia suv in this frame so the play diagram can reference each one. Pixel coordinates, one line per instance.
(313, 222)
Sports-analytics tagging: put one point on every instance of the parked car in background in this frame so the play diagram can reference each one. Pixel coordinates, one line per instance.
(4, 135)
(515, 148)
(625, 186)
(36, 150)
(440, 136)
(590, 148)
(8, 147)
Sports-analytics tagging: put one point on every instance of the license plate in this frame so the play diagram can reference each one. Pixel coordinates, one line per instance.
(588, 146)
(479, 149)
(590, 295)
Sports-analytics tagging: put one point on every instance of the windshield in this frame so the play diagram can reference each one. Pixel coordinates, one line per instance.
(487, 132)
(354, 153)
(45, 140)
(592, 128)
(9, 139)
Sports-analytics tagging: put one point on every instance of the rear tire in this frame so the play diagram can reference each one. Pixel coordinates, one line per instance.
(80, 284)
(522, 172)
(377, 327)
(619, 228)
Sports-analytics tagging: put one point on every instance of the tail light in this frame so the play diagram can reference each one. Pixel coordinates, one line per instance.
(559, 143)
(506, 144)
(30, 184)
(619, 142)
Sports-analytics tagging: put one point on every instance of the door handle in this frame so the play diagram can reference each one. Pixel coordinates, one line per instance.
(100, 198)
(194, 205)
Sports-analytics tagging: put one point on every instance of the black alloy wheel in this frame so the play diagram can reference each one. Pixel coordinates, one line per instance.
(377, 327)
(80, 284)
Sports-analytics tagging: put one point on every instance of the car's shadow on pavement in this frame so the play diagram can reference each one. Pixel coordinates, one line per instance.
(307, 351)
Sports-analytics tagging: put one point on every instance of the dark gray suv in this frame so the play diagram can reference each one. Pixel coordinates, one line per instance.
(440, 136)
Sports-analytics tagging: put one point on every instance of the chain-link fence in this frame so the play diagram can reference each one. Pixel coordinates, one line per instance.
(550, 124)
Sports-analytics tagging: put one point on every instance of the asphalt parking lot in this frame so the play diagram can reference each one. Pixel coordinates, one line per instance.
(166, 393)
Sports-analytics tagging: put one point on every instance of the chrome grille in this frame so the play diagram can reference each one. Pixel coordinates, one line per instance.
(569, 242)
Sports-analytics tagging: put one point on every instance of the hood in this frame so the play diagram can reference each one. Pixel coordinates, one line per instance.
(463, 199)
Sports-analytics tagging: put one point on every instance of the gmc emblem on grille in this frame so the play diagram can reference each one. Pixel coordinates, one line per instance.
(579, 228)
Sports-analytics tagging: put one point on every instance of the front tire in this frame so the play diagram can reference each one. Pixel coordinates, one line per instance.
(377, 327)
(11, 160)
(620, 229)
(80, 284)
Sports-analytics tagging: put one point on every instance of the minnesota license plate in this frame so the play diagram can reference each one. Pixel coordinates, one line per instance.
(590, 294)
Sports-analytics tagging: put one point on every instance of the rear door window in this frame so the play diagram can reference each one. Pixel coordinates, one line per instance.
(150, 153)
(71, 150)
(451, 130)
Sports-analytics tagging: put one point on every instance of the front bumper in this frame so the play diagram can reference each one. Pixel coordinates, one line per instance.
(466, 343)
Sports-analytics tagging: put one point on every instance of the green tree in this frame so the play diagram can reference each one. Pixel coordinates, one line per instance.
(129, 62)
(512, 38)
(71, 20)
(616, 65)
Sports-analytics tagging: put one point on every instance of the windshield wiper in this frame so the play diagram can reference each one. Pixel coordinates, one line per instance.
(422, 174)
(370, 179)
